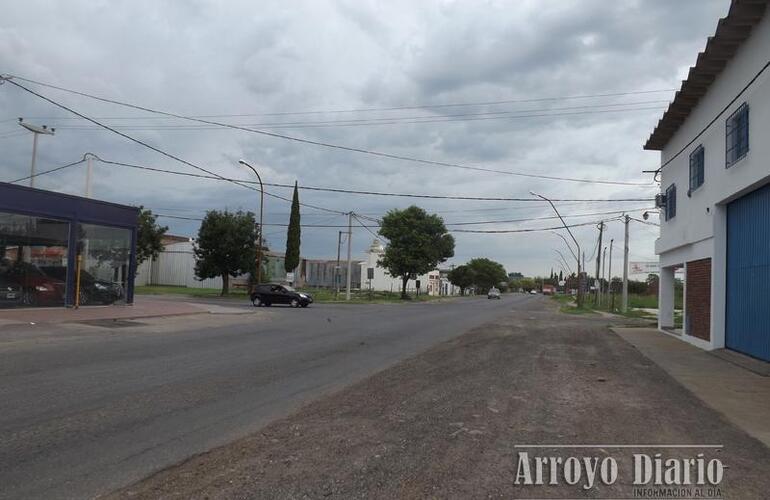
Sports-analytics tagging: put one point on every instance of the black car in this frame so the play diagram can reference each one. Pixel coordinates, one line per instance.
(10, 292)
(269, 294)
(92, 290)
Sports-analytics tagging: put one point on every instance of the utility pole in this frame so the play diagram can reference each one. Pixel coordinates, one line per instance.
(599, 261)
(350, 266)
(337, 269)
(89, 171)
(609, 276)
(601, 281)
(625, 268)
(36, 131)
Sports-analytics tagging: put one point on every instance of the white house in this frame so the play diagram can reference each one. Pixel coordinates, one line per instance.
(714, 141)
(381, 280)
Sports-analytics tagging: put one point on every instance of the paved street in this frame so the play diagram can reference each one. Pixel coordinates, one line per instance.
(451, 422)
(90, 408)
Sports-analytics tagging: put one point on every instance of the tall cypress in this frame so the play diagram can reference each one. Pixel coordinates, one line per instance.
(293, 235)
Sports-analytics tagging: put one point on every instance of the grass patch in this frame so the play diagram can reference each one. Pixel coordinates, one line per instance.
(189, 292)
(319, 294)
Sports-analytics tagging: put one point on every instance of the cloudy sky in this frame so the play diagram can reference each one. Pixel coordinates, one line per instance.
(333, 71)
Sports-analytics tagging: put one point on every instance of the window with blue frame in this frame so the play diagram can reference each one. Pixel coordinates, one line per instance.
(737, 135)
(697, 159)
(671, 202)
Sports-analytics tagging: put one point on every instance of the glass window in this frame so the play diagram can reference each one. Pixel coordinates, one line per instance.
(29, 247)
(697, 159)
(671, 202)
(737, 135)
(103, 259)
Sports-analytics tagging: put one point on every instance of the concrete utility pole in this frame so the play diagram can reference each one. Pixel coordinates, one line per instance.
(36, 131)
(337, 269)
(350, 266)
(599, 260)
(609, 274)
(625, 268)
(604, 266)
(89, 171)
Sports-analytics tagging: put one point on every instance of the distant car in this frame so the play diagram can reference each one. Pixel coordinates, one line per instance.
(493, 293)
(269, 294)
(92, 290)
(533, 292)
(10, 292)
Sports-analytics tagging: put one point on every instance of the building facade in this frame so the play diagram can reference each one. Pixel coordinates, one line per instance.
(382, 281)
(63, 250)
(715, 197)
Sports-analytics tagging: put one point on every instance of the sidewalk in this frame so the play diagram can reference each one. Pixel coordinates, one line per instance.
(740, 394)
(143, 307)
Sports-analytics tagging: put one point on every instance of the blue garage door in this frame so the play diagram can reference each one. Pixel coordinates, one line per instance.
(748, 274)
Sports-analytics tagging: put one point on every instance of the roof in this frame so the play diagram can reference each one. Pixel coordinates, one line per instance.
(731, 32)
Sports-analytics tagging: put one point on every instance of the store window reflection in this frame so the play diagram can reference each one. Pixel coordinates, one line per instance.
(103, 260)
(28, 247)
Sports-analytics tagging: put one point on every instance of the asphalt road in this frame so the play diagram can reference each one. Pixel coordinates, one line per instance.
(88, 409)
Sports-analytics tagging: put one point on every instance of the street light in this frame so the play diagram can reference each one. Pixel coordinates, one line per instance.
(36, 131)
(261, 210)
(577, 257)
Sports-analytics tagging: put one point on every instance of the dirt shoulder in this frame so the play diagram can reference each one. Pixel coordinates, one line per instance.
(445, 424)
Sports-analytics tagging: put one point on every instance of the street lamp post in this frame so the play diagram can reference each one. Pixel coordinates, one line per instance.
(261, 228)
(577, 257)
(36, 131)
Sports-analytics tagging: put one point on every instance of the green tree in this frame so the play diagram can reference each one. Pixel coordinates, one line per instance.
(226, 246)
(418, 242)
(487, 273)
(462, 277)
(293, 235)
(528, 284)
(149, 236)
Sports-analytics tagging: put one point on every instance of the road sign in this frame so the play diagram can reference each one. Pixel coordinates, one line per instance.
(290, 277)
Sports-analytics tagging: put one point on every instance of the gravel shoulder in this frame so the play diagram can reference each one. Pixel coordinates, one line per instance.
(445, 423)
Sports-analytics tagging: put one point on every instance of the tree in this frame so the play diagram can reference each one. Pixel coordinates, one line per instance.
(487, 273)
(149, 236)
(527, 284)
(226, 246)
(461, 276)
(561, 276)
(293, 235)
(418, 242)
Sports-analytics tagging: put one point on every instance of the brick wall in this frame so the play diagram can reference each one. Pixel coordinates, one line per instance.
(698, 299)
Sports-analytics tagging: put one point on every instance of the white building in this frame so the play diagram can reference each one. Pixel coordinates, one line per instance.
(715, 169)
(382, 281)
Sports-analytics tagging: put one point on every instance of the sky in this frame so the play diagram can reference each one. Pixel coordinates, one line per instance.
(332, 71)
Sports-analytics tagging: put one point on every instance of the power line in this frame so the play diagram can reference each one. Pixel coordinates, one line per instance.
(359, 192)
(379, 154)
(38, 174)
(149, 146)
(392, 108)
(399, 120)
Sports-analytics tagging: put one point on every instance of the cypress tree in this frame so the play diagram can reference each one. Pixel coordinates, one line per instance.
(293, 235)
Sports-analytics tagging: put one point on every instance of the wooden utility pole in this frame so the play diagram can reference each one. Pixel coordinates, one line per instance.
(625, 268)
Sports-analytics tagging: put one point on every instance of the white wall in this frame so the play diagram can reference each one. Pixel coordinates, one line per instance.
(694, 219)
(699, 229)
(175, 266)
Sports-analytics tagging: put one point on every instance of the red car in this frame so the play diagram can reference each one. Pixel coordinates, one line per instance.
(37, 289)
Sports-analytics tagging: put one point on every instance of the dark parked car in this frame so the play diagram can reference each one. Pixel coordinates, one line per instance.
(10, 292)
(92, 290)
(269, 294)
